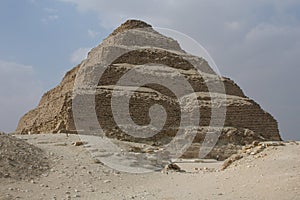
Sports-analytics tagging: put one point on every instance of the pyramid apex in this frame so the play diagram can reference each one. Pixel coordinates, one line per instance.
(131, 24)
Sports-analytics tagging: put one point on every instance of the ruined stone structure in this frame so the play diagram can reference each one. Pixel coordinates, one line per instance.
(139, 44)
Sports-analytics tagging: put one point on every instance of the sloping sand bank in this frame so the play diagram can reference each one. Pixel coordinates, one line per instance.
(273, 173)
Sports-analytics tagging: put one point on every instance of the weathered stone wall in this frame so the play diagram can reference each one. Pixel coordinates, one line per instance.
(53, 113)
(245, 120)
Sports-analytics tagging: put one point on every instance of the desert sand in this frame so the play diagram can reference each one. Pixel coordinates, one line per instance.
(273, 173)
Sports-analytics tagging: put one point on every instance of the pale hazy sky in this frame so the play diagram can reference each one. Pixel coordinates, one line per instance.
(256, 43)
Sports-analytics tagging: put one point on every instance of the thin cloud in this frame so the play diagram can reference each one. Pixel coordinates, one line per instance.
(233, 26)
(52, 15)
(51, 10)
(93, 34)
(78, 55)
(19, 91)
(50, 18)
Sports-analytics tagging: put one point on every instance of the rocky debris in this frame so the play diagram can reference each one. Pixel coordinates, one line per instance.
(245, 120)
(230, 160)
(293, 142)
(20, 160)
(97, 161)
(230, 142)
(171, 168)
(70, 174)
(78, 143)
(250, 150)
(106, 181)
(272, 144)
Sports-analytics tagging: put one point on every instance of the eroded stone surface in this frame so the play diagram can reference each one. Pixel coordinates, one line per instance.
(140, 45)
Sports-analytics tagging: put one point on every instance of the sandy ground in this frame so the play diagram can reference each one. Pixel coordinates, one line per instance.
(274, 174)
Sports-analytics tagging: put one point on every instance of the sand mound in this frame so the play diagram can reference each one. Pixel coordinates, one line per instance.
(20, 160)
(254, 149)
(271, 174)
